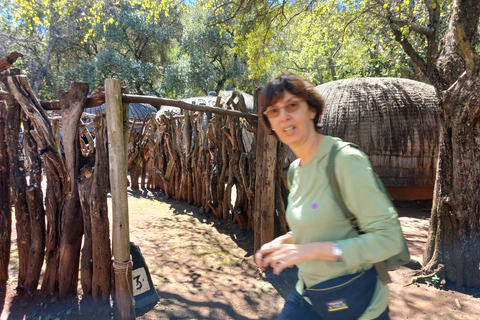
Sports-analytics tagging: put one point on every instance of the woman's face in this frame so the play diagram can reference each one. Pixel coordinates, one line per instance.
(293, 119)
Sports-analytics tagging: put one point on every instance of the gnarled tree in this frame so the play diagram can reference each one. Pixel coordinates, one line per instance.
(452, 64)
(442, 40)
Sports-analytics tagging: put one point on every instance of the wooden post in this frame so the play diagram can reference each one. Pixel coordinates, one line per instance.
(122, 264)
(58, 180)
(5, 201)
(73, 102)
(18, 184)
(36, 209)
(264, 213)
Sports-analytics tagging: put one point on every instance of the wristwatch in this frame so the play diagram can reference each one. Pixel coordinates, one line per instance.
(337, 252)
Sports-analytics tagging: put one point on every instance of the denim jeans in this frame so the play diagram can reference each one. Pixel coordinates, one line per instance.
(296, 307)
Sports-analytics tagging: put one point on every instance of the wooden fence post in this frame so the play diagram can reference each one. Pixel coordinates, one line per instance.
(264, 213)
(18, 183)
(122, 265)
(73, 102)
(58, 180)
(5, 201)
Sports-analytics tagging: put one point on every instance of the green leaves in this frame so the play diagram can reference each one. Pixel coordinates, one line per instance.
(177, 48)
(207, 59)
(323, 40)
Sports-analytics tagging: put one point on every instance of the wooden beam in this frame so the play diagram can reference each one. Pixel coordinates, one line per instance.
(187, 106)
(99, 98)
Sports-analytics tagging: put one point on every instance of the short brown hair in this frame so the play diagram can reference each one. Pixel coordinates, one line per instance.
(296, 85)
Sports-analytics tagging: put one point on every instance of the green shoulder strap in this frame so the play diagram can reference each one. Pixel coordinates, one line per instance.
(381, 267)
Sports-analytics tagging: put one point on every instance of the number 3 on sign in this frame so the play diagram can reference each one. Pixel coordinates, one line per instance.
(139, 281)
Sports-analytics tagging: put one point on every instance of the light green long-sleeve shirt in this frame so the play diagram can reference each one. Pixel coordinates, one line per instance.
(314, 215)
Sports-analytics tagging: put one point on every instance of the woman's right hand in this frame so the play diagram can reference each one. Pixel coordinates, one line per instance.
(270, 247)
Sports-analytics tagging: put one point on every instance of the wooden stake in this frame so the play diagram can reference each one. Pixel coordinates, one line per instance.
(5, 200)
(118, 183)
(264, 219)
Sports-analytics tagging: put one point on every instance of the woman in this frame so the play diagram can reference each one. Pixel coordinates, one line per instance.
(322, 243)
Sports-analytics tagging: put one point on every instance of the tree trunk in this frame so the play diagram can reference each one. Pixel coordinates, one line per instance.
(18, 187)
(152, 156)
(35, 209)
(102, 256)
(72, 102)
(236, 171)
(264, 222)
(160, 162)
(57, 178)
(144, 162)
(57, 185)
(41, 71)
(251, 162)
(186, 155)
(195, 164)
(454, 233)
(5, 201)
(189, 155)
(96, 253)
(134, 173)
(279, 204)
(85, 181)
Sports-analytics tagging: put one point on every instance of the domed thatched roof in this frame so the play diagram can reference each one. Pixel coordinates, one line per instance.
(393, 120)
(136, 110)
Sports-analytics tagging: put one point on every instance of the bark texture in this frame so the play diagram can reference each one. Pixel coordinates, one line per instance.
(57, 178)
(102, 257)
(96, 254)
(35, 208)
(18, 186)
(73, 102)
(5, 201)
(454, 235)
(6, 62)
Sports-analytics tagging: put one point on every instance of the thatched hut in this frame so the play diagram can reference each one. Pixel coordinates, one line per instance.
(395, 122)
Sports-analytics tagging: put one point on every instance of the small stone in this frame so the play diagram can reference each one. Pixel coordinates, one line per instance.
(459, 306)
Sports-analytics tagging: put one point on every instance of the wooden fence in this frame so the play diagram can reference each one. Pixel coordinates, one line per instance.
(199, 156)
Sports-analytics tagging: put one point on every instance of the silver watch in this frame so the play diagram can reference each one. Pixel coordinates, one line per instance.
(337, 252)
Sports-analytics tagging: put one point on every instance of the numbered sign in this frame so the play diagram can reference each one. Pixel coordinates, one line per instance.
(140, 281)
(144, 291)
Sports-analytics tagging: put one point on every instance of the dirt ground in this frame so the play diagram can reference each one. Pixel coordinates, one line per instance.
(203, 268)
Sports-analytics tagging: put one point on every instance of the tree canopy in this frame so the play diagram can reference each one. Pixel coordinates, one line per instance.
(178, 49)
